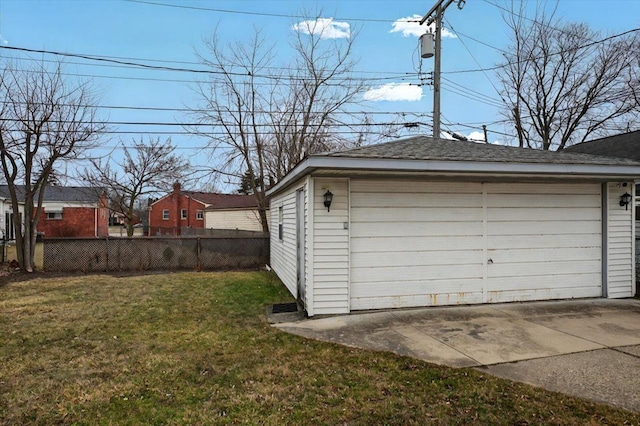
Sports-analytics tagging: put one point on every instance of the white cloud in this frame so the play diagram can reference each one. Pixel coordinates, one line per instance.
(394, 92)
(324, 27)
(413, 28)
(476, 136)
(3, 40)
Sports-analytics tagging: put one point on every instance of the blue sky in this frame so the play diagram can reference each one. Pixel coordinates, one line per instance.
(163, 35)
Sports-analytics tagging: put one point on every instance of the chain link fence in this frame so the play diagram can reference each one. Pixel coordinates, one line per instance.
(152, 253)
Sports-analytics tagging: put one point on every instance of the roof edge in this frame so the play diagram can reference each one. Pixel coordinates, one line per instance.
(451, 166)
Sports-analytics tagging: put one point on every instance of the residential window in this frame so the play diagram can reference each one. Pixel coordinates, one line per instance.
(183, 214)
(54, 215)
(199, 215)
(280, 222)
(165, 214)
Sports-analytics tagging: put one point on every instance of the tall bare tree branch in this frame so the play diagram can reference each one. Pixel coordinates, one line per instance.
(44, 120)
(147, 168)
(262, 123)
(563, 82)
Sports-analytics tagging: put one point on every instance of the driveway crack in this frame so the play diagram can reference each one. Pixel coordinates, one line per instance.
(438, 340)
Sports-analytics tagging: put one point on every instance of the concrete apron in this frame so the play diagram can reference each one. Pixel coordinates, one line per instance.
(588, 348)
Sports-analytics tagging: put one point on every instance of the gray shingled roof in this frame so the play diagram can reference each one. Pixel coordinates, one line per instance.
(84, 194)
(223, 201)
(427, 148)
(626, 145)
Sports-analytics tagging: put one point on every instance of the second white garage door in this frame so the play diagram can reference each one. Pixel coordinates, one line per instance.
(416, 243)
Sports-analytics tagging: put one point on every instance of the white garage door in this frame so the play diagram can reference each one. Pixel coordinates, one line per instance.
(415, 243)
(544, 241)
(419, 243)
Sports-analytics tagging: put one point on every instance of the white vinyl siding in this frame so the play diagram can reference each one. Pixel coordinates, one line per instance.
(620, 248)
(331, 247)
(415, 243)
(544, 241)
(243, 219)
(283, 252)
(423, 243)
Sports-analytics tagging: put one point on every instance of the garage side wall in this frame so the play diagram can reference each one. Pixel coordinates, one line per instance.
(620, 243)
(331, 247)
(283, 250)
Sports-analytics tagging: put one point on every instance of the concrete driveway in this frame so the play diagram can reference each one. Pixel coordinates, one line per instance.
(588, 348)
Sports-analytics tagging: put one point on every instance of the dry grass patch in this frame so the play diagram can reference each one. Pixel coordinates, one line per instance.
(195, 348)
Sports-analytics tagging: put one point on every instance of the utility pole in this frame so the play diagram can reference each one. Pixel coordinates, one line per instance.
(437, 9)
(436, 72)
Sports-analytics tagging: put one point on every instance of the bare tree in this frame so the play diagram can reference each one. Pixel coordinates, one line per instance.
(145, 169)
(43, 121)
(563, 82)
(264, 117)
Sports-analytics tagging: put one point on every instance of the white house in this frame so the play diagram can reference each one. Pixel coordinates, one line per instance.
(232, 211)
(423, 222)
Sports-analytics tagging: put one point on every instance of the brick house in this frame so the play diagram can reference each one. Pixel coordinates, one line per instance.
(193, 209)
(68, 211)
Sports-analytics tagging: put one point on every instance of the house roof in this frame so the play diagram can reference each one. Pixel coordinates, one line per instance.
(84, 194)
(223, 201)
(427, 148)
(626, 145)
(443, 156)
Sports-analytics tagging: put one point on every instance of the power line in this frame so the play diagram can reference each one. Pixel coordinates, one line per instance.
(170, 61)
(197, 110)
(474, 59)
(584, 46)
(273, 15)
(473, 92)
(472, 97)
(275, 79)
(551, 27)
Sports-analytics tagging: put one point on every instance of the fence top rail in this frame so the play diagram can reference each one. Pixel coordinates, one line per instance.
(184, 237)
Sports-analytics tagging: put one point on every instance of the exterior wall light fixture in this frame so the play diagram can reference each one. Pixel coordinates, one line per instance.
(625, 199)
(328, 197)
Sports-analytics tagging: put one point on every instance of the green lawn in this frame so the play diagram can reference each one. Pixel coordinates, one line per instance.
(195, 348)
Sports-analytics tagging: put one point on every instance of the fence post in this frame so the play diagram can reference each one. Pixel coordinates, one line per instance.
(198, 251)
(106, 253)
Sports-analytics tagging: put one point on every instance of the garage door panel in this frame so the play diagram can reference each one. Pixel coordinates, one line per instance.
(560, 214)
(392, 244)
(542, 188)
(544, 254)
(542, 200)
(590, 280)
(542, 241)
(412, 186)
(398, 214)
(539, 227)
(418, 287)
(408, 258)
(416, 200)
(552, 268)
(415, 272)
(541, 294)
(416, 229)
(432, 299)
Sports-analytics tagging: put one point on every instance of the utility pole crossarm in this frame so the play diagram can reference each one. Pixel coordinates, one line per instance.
(428, 18)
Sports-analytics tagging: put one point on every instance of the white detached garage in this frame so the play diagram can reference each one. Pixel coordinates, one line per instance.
(425, 222)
